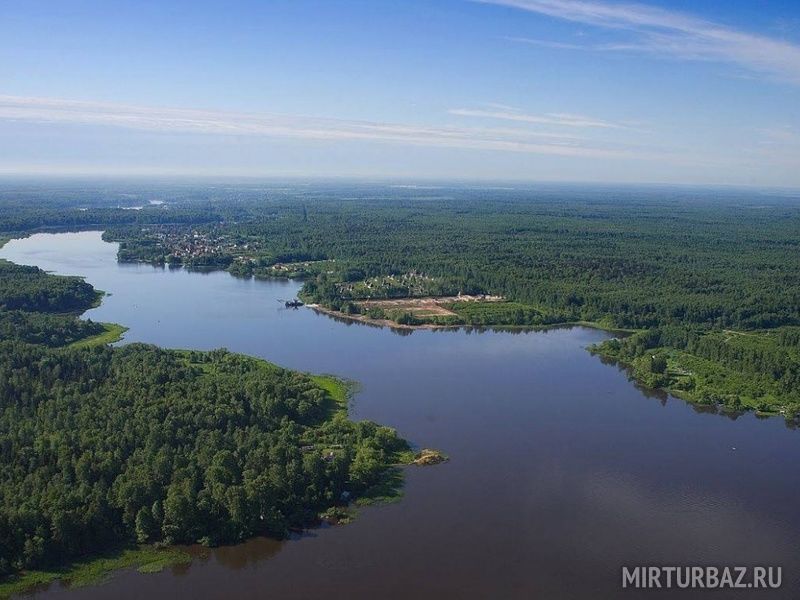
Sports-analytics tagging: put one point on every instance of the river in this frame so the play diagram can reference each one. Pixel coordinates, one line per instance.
(561, 470)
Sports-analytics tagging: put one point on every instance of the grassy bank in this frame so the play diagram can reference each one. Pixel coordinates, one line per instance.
(96, 569)
(112, 332)
(339, 390)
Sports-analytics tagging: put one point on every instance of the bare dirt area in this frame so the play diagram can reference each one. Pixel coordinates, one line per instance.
(425, 307)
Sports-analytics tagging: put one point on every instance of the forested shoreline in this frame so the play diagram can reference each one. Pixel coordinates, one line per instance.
(104, 447)
(691, 262)
(696, 262)
(756, 370)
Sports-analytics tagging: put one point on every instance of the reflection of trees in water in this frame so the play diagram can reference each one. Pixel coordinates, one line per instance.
(468, 329)
(237, 556)
(652, 393)
(250, 552)
(350, 322)
(663, 397)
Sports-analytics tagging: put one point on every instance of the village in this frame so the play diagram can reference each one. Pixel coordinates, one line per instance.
(184, 247)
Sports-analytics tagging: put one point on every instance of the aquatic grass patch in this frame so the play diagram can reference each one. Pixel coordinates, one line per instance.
(96, 569)
(336, 388)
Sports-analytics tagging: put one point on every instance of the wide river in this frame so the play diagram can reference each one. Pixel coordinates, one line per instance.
(561, 470)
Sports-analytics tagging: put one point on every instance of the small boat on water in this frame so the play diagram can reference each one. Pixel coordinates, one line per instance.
(293, 303)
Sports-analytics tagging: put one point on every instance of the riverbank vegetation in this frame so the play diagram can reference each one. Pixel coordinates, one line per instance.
(107, 444)
(758, 370)
(38, 308)
(641, 260)
(108, 333)
(630, 258)
(33, 290)
(92, 570)
(104, 448)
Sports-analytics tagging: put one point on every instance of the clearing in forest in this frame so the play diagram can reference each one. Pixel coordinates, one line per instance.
(425, 307)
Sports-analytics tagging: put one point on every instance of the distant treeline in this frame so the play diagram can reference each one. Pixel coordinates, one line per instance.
(636, 263)
(26, 219)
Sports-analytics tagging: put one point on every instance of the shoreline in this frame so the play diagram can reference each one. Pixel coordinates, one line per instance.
(388, 323)
(686, 396)
(95, 568)
(340, 395)
(111, 334)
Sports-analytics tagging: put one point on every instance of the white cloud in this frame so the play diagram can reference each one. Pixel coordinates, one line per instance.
(674, 34)
(559, 119)
(183, 120)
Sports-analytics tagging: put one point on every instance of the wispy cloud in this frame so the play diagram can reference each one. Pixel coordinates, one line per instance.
(558, 119)
(657, 31)
(499, 106)
(548, 43)
(182, 120)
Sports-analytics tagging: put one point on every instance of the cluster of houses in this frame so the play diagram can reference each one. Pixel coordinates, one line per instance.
(185, 246)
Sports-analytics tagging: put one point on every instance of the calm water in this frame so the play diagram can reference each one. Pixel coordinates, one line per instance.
(561, 470)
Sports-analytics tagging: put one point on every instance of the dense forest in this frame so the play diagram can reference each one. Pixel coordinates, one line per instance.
(31, 289)
(681, 266)
(693, 262)
(51, 330)
(636, 261)
(103, 446)
(38, 308)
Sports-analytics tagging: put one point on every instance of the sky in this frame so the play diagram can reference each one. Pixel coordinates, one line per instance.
(690, 92)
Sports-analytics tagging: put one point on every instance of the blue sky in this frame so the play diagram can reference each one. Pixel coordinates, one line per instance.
(677, 92)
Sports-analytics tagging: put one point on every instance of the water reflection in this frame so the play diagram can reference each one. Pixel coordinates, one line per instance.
(240, 556)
